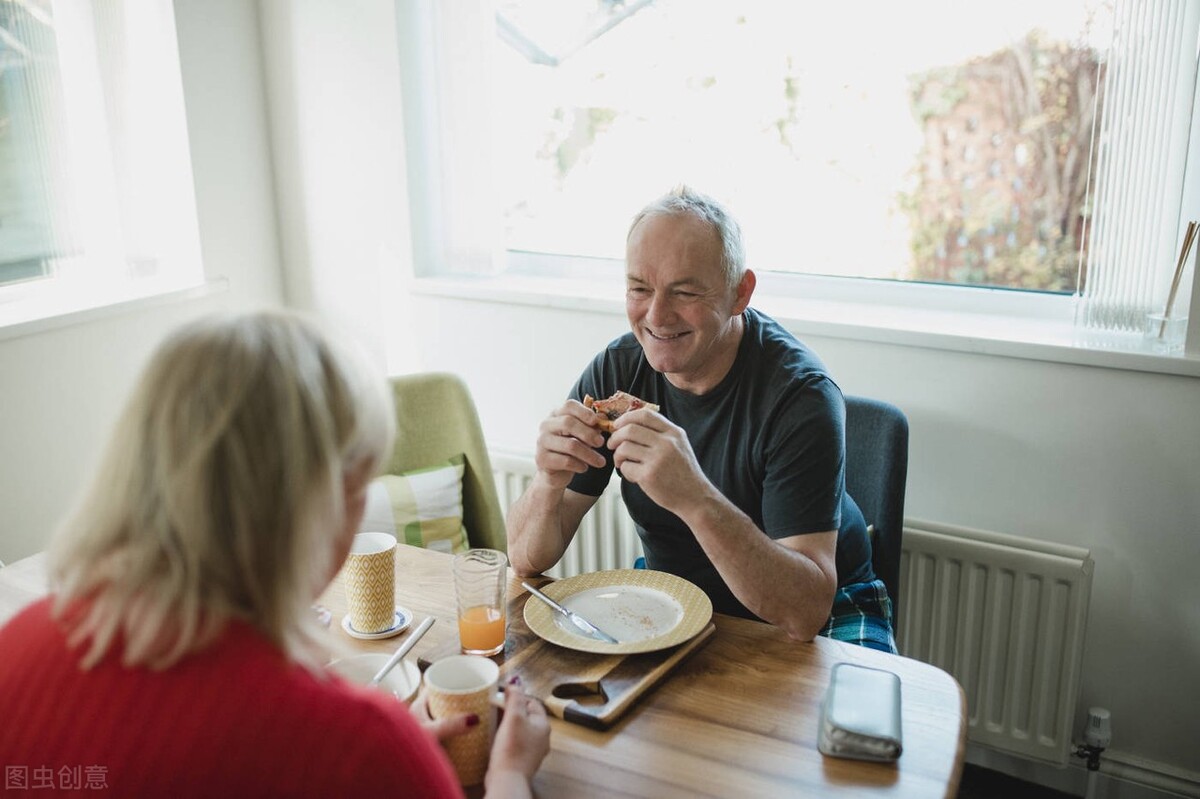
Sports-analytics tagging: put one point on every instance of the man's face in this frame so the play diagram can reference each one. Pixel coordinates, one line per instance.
(679, 305)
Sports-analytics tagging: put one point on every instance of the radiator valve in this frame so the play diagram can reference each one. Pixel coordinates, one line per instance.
(1097, 735)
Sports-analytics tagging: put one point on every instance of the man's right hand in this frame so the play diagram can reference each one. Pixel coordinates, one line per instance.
(566, 444)
(544, 519)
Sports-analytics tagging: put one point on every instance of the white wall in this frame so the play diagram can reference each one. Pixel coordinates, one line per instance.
(63, 387)
(337, 143)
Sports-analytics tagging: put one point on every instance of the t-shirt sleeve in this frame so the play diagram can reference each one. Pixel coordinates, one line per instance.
(806, 458)
(596, 380)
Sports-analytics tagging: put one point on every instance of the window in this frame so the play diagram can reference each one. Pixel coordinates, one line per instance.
(919, 142)
(97, 203)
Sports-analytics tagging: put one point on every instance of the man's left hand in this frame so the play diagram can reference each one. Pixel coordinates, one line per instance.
(656, 455)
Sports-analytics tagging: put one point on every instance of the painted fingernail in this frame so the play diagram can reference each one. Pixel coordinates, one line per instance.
(514, 680)
(473, 720)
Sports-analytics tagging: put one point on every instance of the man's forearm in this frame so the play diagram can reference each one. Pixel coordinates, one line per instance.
(536, 539)
(780, 585)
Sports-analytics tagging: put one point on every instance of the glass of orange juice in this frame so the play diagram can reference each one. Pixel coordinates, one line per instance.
(481, 588)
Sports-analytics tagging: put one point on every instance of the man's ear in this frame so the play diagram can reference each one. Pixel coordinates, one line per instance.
(745, 290)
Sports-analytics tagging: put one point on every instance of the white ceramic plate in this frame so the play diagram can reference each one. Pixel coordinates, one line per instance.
(644, 610)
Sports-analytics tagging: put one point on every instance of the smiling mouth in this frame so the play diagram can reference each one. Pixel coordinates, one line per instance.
(672, 337)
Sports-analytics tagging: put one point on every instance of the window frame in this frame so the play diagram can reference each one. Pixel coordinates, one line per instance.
(985, 320)
(100, 275)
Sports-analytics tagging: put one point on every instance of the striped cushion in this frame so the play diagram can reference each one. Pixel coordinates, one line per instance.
(422, 507)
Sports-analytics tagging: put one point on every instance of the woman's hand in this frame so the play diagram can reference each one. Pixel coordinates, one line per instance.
(521, 744)
(442, 729)
(523, 738)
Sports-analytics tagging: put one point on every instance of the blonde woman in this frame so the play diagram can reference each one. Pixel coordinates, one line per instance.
(175, 656)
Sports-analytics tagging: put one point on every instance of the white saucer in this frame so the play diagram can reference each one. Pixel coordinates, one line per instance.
(402, 621)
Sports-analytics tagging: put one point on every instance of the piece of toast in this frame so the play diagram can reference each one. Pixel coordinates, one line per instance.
(610, 409)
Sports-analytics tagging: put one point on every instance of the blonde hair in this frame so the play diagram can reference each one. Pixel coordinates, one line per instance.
(221, 493)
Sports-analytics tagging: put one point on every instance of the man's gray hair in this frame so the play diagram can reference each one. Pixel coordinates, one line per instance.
(685, 200)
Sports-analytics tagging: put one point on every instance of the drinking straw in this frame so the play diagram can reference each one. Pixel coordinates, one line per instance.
(1189, 238)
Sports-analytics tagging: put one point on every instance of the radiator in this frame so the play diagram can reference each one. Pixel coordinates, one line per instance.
(1004, 615)
(606, 537)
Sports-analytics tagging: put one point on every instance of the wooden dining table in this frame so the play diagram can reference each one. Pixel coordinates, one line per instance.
(737, 717)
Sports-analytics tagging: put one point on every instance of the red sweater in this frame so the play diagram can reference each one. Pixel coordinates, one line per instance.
(236, 719)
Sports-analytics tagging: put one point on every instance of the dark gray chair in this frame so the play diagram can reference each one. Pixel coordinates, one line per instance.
(876, 474)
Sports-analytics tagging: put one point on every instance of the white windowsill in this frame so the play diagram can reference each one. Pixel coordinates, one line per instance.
(980, 334)
(86, 308)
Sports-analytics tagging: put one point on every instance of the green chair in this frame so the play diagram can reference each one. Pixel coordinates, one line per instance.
(435, 420)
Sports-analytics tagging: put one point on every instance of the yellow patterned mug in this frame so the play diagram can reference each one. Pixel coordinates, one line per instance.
(370, 580)
(465, 684)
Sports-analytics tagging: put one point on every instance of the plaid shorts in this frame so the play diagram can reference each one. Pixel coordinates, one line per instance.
(862, 614)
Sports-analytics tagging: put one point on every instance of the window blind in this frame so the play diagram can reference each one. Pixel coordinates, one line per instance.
(1143, 140)
(96, 195)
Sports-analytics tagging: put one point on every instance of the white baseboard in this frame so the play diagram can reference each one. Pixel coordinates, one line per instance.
(1121, 776)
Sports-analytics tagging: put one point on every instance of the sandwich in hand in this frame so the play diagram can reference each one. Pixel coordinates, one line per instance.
(610, 409)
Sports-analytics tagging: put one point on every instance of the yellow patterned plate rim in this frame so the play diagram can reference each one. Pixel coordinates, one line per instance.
(697, 610)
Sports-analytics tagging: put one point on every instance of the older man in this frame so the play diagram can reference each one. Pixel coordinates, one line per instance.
(737, 483)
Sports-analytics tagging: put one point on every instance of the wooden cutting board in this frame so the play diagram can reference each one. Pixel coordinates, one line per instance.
(581, 687)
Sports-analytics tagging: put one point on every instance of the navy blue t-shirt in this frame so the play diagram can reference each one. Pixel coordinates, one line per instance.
(770, 437)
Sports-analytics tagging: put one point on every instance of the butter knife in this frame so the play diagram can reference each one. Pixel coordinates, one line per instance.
(589, 629)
